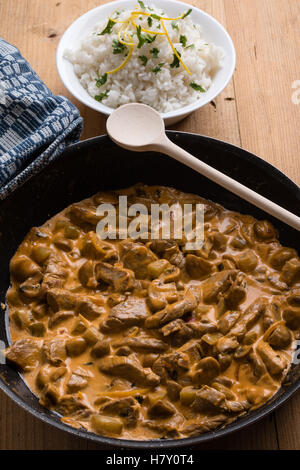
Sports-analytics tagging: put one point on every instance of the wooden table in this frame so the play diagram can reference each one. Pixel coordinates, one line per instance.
(256, 111)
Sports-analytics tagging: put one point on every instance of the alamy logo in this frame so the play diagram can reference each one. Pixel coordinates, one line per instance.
(161, 222)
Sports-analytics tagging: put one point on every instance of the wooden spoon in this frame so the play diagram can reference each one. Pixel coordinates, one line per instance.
(140, 128)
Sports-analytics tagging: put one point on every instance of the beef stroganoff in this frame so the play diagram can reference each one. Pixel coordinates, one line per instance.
(142, 339)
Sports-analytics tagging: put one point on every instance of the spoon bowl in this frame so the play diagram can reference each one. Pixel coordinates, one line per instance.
(135, 127)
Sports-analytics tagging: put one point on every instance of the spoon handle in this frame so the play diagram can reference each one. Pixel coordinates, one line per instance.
(167, 147)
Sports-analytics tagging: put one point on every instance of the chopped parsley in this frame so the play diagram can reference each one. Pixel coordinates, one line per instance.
(142, 5)
(143, 38)
(197, 87)
(100, 81)
(174, 25)
(108, 28)
(149, 21)
(157, 68)
(143, 59)
(118, 47)
(154, 52)
(183, 40)
(156, 17)
(101, 96)
(150, 38)
(175, 63)
(190, 46)
(187, 13)
(140, 37)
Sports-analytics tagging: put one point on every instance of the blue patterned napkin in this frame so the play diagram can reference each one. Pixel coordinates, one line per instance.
(35, 125)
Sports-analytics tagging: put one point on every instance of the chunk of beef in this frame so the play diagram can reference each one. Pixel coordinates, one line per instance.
(197, 426)
(168, 249)
(249, 317)
(61, 299)
(126, 408)
(55, 274)
(193, 350)
(227, 345)
(171, 366)
(88, 306)
(172, 311)
(119, 278)
(76, 383)
(129, 368)
(227, 321)
(54, 351)
(173, 390)
(71, 405)
(50, 395)
(208, 400)
(234, 296)
(198, 268)
(217, 284)
(144, 344)
(25, 353)
(161, 409)
(165, 428)
(129, 313)
(179, 331)
(275, 363)
(101, 348)
(173, 327)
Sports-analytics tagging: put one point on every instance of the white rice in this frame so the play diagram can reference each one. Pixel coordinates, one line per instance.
(167, 90)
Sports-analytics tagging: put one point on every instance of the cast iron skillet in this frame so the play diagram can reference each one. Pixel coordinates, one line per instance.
(98, 164)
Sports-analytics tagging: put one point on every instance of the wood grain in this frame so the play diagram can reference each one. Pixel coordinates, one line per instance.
(260, 117)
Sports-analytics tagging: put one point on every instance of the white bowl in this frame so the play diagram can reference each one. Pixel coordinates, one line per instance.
(212, 32)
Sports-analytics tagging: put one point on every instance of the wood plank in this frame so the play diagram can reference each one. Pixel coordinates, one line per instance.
(287, 424)
(267, 39)
(217, 120)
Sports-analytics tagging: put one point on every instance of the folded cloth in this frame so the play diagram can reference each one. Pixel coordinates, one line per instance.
(35, 125)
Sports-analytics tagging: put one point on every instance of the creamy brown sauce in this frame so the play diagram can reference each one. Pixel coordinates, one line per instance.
(140, 339)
